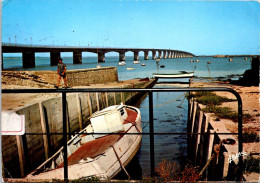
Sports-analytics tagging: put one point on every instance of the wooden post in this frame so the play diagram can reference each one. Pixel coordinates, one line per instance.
(115, 98)
(97, 98)
(44, 130)
(211, 140)
(226, 164)
(20, 148)
(193, 115)
(198, 136)
(106, 99)
(89, 104)
(79, 112)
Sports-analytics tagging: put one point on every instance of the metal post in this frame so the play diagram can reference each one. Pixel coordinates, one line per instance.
(64, 106)
(240, 136)
(151, 133)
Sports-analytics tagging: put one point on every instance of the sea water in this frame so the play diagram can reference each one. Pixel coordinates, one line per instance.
(218, 67)
(170, 108)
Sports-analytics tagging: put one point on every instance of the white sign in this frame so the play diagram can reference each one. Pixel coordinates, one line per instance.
(12, 123)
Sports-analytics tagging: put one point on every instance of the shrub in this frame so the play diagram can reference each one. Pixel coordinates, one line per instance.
(225, 112)
(208, 98)
(249, 135)
(171, 172)
(251, 164)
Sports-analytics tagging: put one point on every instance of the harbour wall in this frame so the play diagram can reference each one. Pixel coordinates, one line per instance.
(22, 154)
(210, 150)
(79, 77)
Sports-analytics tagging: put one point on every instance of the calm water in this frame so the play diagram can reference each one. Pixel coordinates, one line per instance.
(219, 67)
(169, 116)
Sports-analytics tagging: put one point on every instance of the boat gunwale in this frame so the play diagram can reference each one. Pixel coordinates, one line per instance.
(40, 168)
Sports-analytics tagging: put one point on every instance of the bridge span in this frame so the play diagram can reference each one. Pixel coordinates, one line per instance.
(28, 53)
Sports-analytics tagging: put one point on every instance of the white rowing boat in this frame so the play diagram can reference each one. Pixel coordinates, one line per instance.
(122, 63)
(182, 74)
(101, 155)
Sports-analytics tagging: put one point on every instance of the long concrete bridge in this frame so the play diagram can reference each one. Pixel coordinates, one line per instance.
(28, 53)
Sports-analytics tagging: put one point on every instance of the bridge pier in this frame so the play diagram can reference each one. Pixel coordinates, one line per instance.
(55, 56)
(28, 59)
(172, 54)
(146, 57)
(168, 54)
(164, 54)
(101, 57)
(159, 54)
(136, 55)
(121, 56)
(154, 55)
(77, 57)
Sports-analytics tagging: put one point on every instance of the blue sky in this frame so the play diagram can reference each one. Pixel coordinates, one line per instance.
(199, 27)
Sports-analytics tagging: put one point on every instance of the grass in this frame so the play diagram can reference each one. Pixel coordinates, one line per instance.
(212, 102)
(225, 112)
(209, 98)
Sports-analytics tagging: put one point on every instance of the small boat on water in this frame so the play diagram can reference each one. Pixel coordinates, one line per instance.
(230, 60)
(197, 60)
(98, 66)
(157, 60)
(208, 62)
(130, 68)
(181, 74)
(136, 62)
(122, 63)
(191, 60)
(245, 58)
(101, 155)
(143, 64)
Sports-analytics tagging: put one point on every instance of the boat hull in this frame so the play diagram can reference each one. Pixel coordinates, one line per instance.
(184, 75)
(106, 165)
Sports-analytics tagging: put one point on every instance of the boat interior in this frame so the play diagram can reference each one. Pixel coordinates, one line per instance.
(105, 129)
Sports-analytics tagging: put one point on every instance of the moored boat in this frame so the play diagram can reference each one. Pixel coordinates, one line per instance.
(136, 62)
(99, 150)
(130, 68)
(122, 63)
(181, 74)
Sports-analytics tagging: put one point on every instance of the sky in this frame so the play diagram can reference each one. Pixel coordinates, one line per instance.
(198, 27)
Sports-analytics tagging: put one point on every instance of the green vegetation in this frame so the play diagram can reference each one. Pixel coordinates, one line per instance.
(89, 179)
(251, 164)
(171, 172)
(225, 112)
(209, 98)
(249, 135)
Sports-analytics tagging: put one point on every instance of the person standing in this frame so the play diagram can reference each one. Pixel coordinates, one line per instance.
(61, 73)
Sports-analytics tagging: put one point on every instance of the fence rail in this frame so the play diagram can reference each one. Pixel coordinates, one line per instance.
(151, 126)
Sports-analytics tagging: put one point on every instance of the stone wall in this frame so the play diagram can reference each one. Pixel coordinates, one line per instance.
(205, 145)
(80, 77)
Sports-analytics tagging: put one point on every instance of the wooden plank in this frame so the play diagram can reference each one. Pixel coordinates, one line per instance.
(106, 99)
(97, 98)
(79, 112)
(44, 130)
(89, 104)
(115, 98)
(20, 148)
